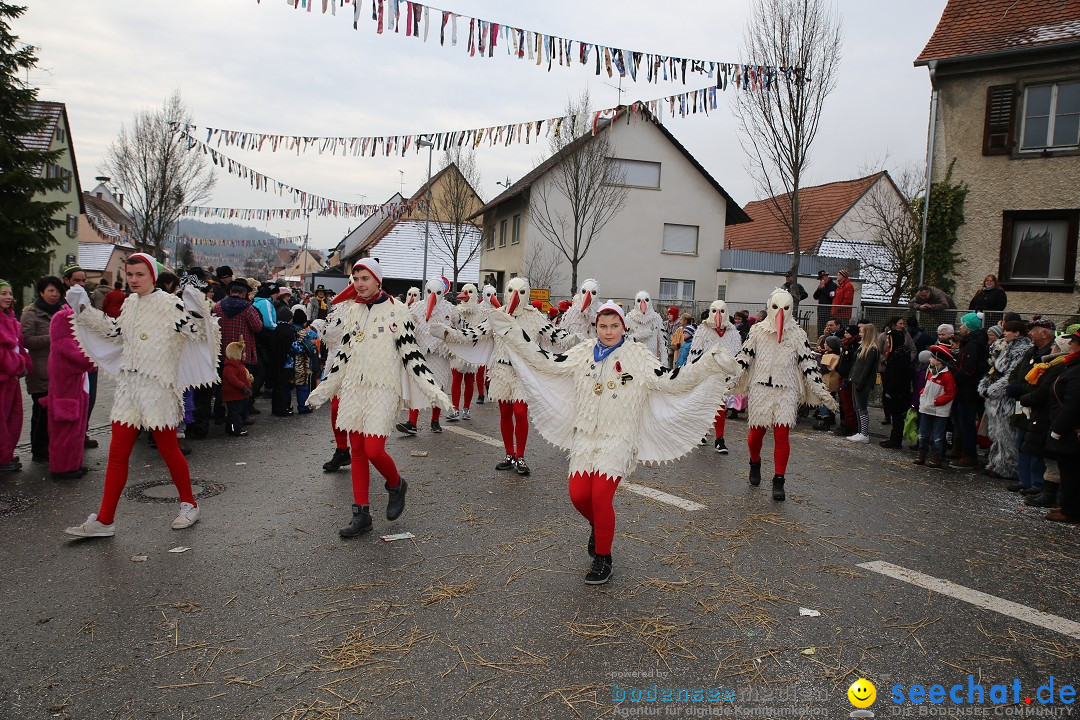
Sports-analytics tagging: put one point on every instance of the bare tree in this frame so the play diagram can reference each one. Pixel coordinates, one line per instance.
(455, 237)
(151, 162)
(581, 193)
(886, 233)
(543, 266)
(780, 120)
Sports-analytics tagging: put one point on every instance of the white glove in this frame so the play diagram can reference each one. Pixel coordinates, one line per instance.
(438, 330)
(726, 361)
(77, 298)
(501, 323)
(1055, 436)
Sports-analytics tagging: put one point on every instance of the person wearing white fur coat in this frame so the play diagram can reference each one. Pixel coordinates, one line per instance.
(433, 309)
(477, 344)
(374, 364)
(466, 313)
(158, 347)
(717, 330)
(778, 372)
(646, 326)
(580, 319)
(611, 404)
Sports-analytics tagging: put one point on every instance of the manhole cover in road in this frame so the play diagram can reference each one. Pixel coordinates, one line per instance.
(165, 492)
(12, 504)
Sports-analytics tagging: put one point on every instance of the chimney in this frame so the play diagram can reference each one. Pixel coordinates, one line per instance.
(120, 199)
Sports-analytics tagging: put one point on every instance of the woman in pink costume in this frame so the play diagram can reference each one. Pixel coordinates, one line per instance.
(14, 363)
(68, 399)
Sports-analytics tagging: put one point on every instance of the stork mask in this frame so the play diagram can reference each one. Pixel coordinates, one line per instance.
(412, 296)
(717, 315)
(588, 292)
(467, 296)
(434, 290)
(644, 302)
(516, 295)
(780, 307)
(491, 296)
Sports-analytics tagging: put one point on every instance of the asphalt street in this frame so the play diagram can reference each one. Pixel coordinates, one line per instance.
(750, 607)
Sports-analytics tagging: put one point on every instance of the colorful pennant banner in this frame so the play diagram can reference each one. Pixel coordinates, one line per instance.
(692, 102)
(481, 37)
(226, 213)
(265, 242)
(315, 204)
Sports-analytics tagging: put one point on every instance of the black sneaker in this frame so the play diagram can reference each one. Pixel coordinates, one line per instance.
(1043, 499)
(600, 572)
(522, 468)
(778, 488)
(508, 463)
(396, 504)
(592, 541)
(13, 466)
(341, 459)
(479, 399)
(406, 427)
(704, 441)
(360, 523)
(720, 446)
(755, 473)
(435, 427)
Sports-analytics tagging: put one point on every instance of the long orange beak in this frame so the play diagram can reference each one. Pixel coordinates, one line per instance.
(513, 304)
(432, 298)
(641, 306)
(495, 302)
(586, 301)
(463, 296)
(780, 325)
(409, 300)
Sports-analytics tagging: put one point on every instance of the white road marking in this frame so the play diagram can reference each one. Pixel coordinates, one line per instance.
(979, 599)
(474, 435)
(652, 494)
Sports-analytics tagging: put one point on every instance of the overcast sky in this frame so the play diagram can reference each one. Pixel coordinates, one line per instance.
(266, 67)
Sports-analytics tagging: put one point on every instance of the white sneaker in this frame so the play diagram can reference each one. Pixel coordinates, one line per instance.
(466, 415)
(187, 517)
(453, 416)
(92, 528)
(859, 438)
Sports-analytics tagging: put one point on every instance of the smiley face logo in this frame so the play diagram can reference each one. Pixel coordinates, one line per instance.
(862, 693)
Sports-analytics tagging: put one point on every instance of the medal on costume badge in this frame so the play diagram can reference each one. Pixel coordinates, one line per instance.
(598, 388)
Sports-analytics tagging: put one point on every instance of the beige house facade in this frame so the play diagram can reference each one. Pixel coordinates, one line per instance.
(1006, 81)
(666, 239)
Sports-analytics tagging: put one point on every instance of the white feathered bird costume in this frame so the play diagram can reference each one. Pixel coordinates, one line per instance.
(434, 309)
(467, 313)
(645, 326)
(580, 319)
(777, 368)
(613, 413)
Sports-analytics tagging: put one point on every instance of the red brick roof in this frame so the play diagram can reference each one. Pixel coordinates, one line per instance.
(820, 207)
(974, 27)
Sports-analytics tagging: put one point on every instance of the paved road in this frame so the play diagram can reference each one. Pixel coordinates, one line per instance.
(485, 615)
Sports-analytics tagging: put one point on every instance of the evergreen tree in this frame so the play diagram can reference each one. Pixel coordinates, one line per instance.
(26, 224)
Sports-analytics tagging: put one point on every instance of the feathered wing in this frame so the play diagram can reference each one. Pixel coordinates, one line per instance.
(551, 395)
(100, 338)
(681, 406)
(473, 344)
(200, 353)
(814, 391)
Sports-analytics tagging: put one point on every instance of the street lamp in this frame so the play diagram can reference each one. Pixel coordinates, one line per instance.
(427, 219)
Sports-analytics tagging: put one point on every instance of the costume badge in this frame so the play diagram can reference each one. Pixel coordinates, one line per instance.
(611, 384)
(393, 328)
(598, 389)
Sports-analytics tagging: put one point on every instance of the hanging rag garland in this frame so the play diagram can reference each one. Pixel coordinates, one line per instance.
(263, 242)
(414, 19)
(691, 102)
(315, 204)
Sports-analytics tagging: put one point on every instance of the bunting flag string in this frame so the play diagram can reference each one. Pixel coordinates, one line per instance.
(691, 102)
(264, 242)
(315, 204)
(415, 19)
(229, 213)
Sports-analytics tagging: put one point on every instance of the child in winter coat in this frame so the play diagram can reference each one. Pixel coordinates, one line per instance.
(935, 404)
(305, 354)
(235, 387)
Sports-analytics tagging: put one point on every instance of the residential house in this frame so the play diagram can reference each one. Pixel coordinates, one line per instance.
(1005, 77)
(105, 234)
(398, 240)
(841, 223)
(55, 134)
(350, 244)
(666, 239)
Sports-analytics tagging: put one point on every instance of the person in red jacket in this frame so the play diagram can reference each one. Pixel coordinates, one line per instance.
(114, 300)
(935, 404)
(844, 297)
(235, 387)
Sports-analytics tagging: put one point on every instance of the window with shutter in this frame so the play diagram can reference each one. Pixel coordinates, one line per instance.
(1000, 114)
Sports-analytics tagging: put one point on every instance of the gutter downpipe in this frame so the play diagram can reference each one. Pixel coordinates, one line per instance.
(932, 65)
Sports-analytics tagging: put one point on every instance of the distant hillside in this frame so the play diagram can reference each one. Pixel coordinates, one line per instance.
(221, 231)
(248, 260)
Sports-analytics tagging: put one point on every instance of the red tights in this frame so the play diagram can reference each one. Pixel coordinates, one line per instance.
(720, 421)
(781, 446)
(414, 415)
(116, 471)
(365, 449)
(592, 494)
(455, 389)
(481, 388)
(514, 424)
(341, 438)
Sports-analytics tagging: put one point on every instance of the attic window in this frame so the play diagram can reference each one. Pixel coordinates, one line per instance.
(634, 173)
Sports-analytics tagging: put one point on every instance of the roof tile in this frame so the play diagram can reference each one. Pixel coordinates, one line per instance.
(974, 27)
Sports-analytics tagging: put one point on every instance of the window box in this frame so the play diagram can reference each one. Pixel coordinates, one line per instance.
(1038, 250)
